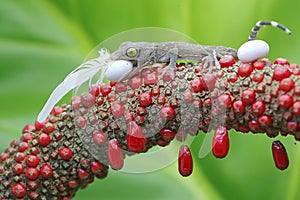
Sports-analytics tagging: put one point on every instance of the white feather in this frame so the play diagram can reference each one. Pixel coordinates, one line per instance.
(85, 72)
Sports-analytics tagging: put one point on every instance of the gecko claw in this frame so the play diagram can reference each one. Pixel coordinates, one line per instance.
(171, 70)
(211, 61)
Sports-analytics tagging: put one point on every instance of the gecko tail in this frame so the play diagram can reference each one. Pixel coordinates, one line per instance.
(85, 72)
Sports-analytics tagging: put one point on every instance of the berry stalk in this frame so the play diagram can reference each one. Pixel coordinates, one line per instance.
(99, 128)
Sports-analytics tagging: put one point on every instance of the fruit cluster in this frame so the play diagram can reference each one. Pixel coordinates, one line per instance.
(99, 128)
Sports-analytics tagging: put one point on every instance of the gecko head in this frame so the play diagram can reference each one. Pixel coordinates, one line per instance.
(127, 51)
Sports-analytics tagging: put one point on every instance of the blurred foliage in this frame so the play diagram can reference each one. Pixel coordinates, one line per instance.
(41, 41)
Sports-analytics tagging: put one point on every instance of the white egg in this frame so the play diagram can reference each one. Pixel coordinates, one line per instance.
(118, 69)
(253, 50)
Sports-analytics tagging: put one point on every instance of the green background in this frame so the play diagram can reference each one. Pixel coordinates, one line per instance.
(41, 41)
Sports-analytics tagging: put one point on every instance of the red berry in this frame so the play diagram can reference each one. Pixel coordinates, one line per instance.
(39, 125)
(26, 137)
(80, 121)
(245, 69)
(96, 167)
(226, 61)
(196, 85)
(161, 142)
(258, 77)
(264, 120)
(3, 157)
(233, 77)
(28, 128)
(139, 119)
(120, 87)
(112, 83)
(48, 128)
(65, 153)
(238, 107)
(281, 61)
(19, 190)
(115, 156)
(44, 139)
(294, 66)
(150, 79)
(94, 90)
(296, 108)
(297, 90)
(145, 99)
(281, 72)
(87, 99)
(19, 157)
(85, 163)
(292, 126)
(259, 65)
(188, 96)
(117, 109)
(167, 134)
(185, 161)
(105, 89)
(258, 107)
(248, 97)
(73, 184)
(286, 84)
(224, 101)
(46, 171)
(33, 195)
(112, 97)
(23, 146)
(32, 185)
(167, 112)
(209, 81)
(167, 76)
(135, 82)
(83, 174)
(32, 161)
(220, 144)
(75, 102)
(18, 168)
(34, 151)
(32, 173)
(280, 156)
(128, 116)
(285, 101)
(296, 71)
(99, 138)
(135, 137)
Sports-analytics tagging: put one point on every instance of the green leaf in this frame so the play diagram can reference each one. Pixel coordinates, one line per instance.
(41, 41)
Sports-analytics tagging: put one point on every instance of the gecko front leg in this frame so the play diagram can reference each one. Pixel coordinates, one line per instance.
(211, 60)
(172, 56)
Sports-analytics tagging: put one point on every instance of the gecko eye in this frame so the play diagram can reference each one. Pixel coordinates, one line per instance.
(131, 52)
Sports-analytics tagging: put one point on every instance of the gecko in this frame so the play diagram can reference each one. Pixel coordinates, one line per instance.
(145, 53)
